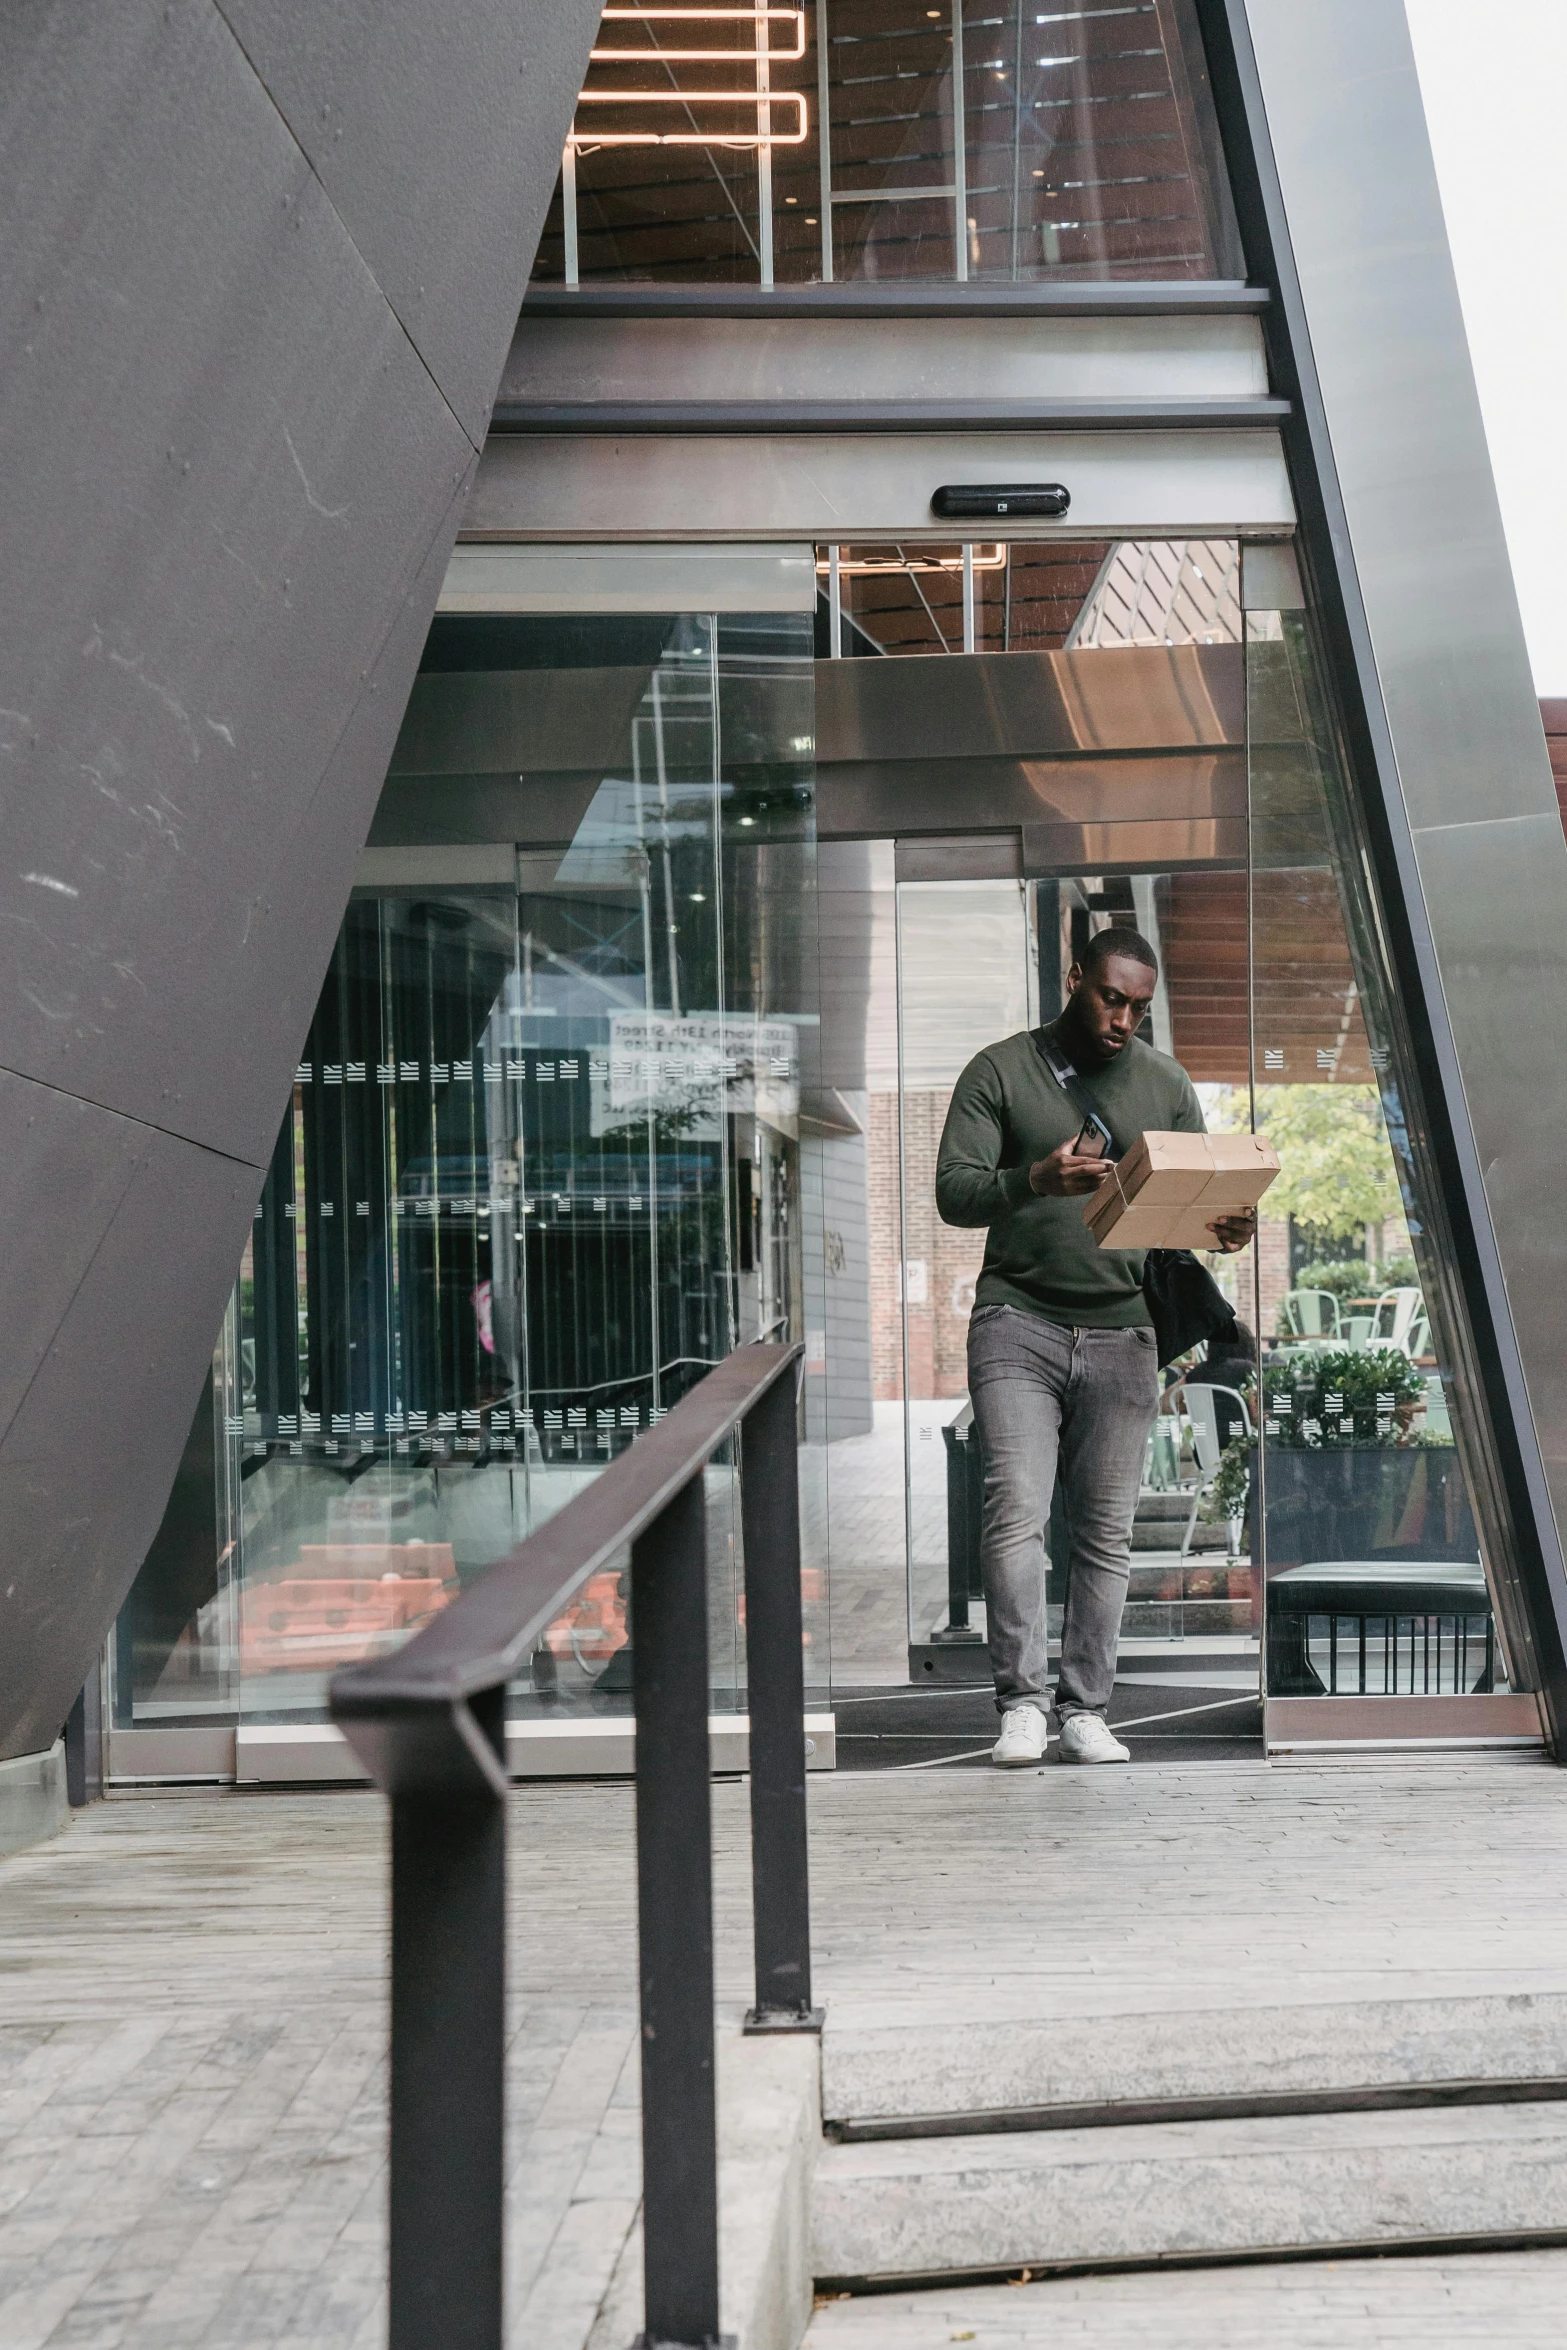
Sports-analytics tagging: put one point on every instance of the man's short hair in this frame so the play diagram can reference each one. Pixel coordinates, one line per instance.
(1117, 941)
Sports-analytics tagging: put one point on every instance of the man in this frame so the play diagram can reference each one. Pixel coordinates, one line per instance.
(1062, 1362)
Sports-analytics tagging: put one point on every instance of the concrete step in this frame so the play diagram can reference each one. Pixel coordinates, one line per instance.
(1169, 1507)
(1217, 2190)
(907, 2079)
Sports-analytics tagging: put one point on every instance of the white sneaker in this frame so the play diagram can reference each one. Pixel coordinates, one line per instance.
(1087, 1739)
(1025, 1732)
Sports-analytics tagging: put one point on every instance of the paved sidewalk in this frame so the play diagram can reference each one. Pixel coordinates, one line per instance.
(192, 2004)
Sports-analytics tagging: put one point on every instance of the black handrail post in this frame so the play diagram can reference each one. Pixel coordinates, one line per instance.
(775, 1679)
(675, 1924)
(448, 2062)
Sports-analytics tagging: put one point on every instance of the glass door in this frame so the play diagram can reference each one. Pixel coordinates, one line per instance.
(967, 975)
(977, 961)
(541, 1164)
(1386, 1534)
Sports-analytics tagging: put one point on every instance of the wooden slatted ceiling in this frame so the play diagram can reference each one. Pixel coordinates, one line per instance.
(1306, 1003)
(1028, 606)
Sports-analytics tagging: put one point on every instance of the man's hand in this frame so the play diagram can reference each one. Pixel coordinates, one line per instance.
(1233, 1232)
(1064, 1175)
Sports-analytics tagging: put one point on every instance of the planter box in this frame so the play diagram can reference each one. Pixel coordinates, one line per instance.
(1364, 1502)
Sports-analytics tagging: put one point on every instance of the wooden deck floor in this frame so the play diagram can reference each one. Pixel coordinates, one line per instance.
(192, 2003)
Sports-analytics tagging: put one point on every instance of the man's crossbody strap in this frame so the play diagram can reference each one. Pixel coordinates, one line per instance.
(1072, 1085)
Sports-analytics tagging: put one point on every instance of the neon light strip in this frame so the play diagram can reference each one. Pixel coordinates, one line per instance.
(745, 16)
(692, 99)
(872, 566)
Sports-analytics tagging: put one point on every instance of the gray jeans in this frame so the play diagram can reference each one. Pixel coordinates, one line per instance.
(1085, 1399)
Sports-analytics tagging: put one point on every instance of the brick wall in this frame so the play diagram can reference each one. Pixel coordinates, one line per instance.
(1273, 1270)
(943, 1264)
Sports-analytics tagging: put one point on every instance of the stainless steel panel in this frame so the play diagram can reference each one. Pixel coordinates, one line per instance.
(483, 866)
(856, 486)
(984, 856)
(1502, 1718)
(867, 799)
(1482, 862)
(1496, 897)
(1013, 705)
(630, 579)
(1270, 578)
(516, 721)
(650, 359)
(1157, 846)
(416, 810)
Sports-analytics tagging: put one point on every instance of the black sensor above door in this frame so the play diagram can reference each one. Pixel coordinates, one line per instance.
(985, 501)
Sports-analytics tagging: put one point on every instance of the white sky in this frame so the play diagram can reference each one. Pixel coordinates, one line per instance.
(1493, 80)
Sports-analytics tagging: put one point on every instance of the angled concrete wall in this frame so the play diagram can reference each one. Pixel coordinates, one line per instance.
(259, 268)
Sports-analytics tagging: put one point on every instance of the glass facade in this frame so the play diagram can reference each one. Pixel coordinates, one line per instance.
(850, 142)
(1375, 1482)
(540, 1169)
(617, 1066)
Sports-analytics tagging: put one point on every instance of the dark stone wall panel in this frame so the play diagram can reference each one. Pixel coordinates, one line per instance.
(88, 1460)
(445, 223)
(266, 991)
(64, 1172)
(180, 679)
(252, 316)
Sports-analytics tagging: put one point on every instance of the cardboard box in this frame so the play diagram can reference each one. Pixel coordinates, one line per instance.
(1170, 1187)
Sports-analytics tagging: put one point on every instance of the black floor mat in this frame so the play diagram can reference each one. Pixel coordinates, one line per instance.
(942, 1729)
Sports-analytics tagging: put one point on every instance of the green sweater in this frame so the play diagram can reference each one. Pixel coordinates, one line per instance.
(1006, 1112)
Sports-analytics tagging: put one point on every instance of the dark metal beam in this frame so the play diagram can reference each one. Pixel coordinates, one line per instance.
(621, 418)
(675, 1924)
(775, 1698)
(1219, 299)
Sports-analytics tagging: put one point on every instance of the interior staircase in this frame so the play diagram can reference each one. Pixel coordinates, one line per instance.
(1219, 2134)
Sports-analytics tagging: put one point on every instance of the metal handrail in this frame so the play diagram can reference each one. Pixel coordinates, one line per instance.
(428, 1721)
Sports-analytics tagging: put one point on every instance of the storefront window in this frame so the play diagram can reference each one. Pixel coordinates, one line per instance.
(843, 142)
(540, 1167)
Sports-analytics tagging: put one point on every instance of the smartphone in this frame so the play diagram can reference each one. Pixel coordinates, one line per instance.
(1093, 1141)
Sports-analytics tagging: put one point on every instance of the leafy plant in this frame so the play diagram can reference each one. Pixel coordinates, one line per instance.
(1232, 1478)
(1348, 1277)
(1324, 1401)
(1337, 1165)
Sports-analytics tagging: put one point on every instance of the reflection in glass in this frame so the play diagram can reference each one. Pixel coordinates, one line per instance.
(1377, 1494)
(967, 145)
(540, 1166)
